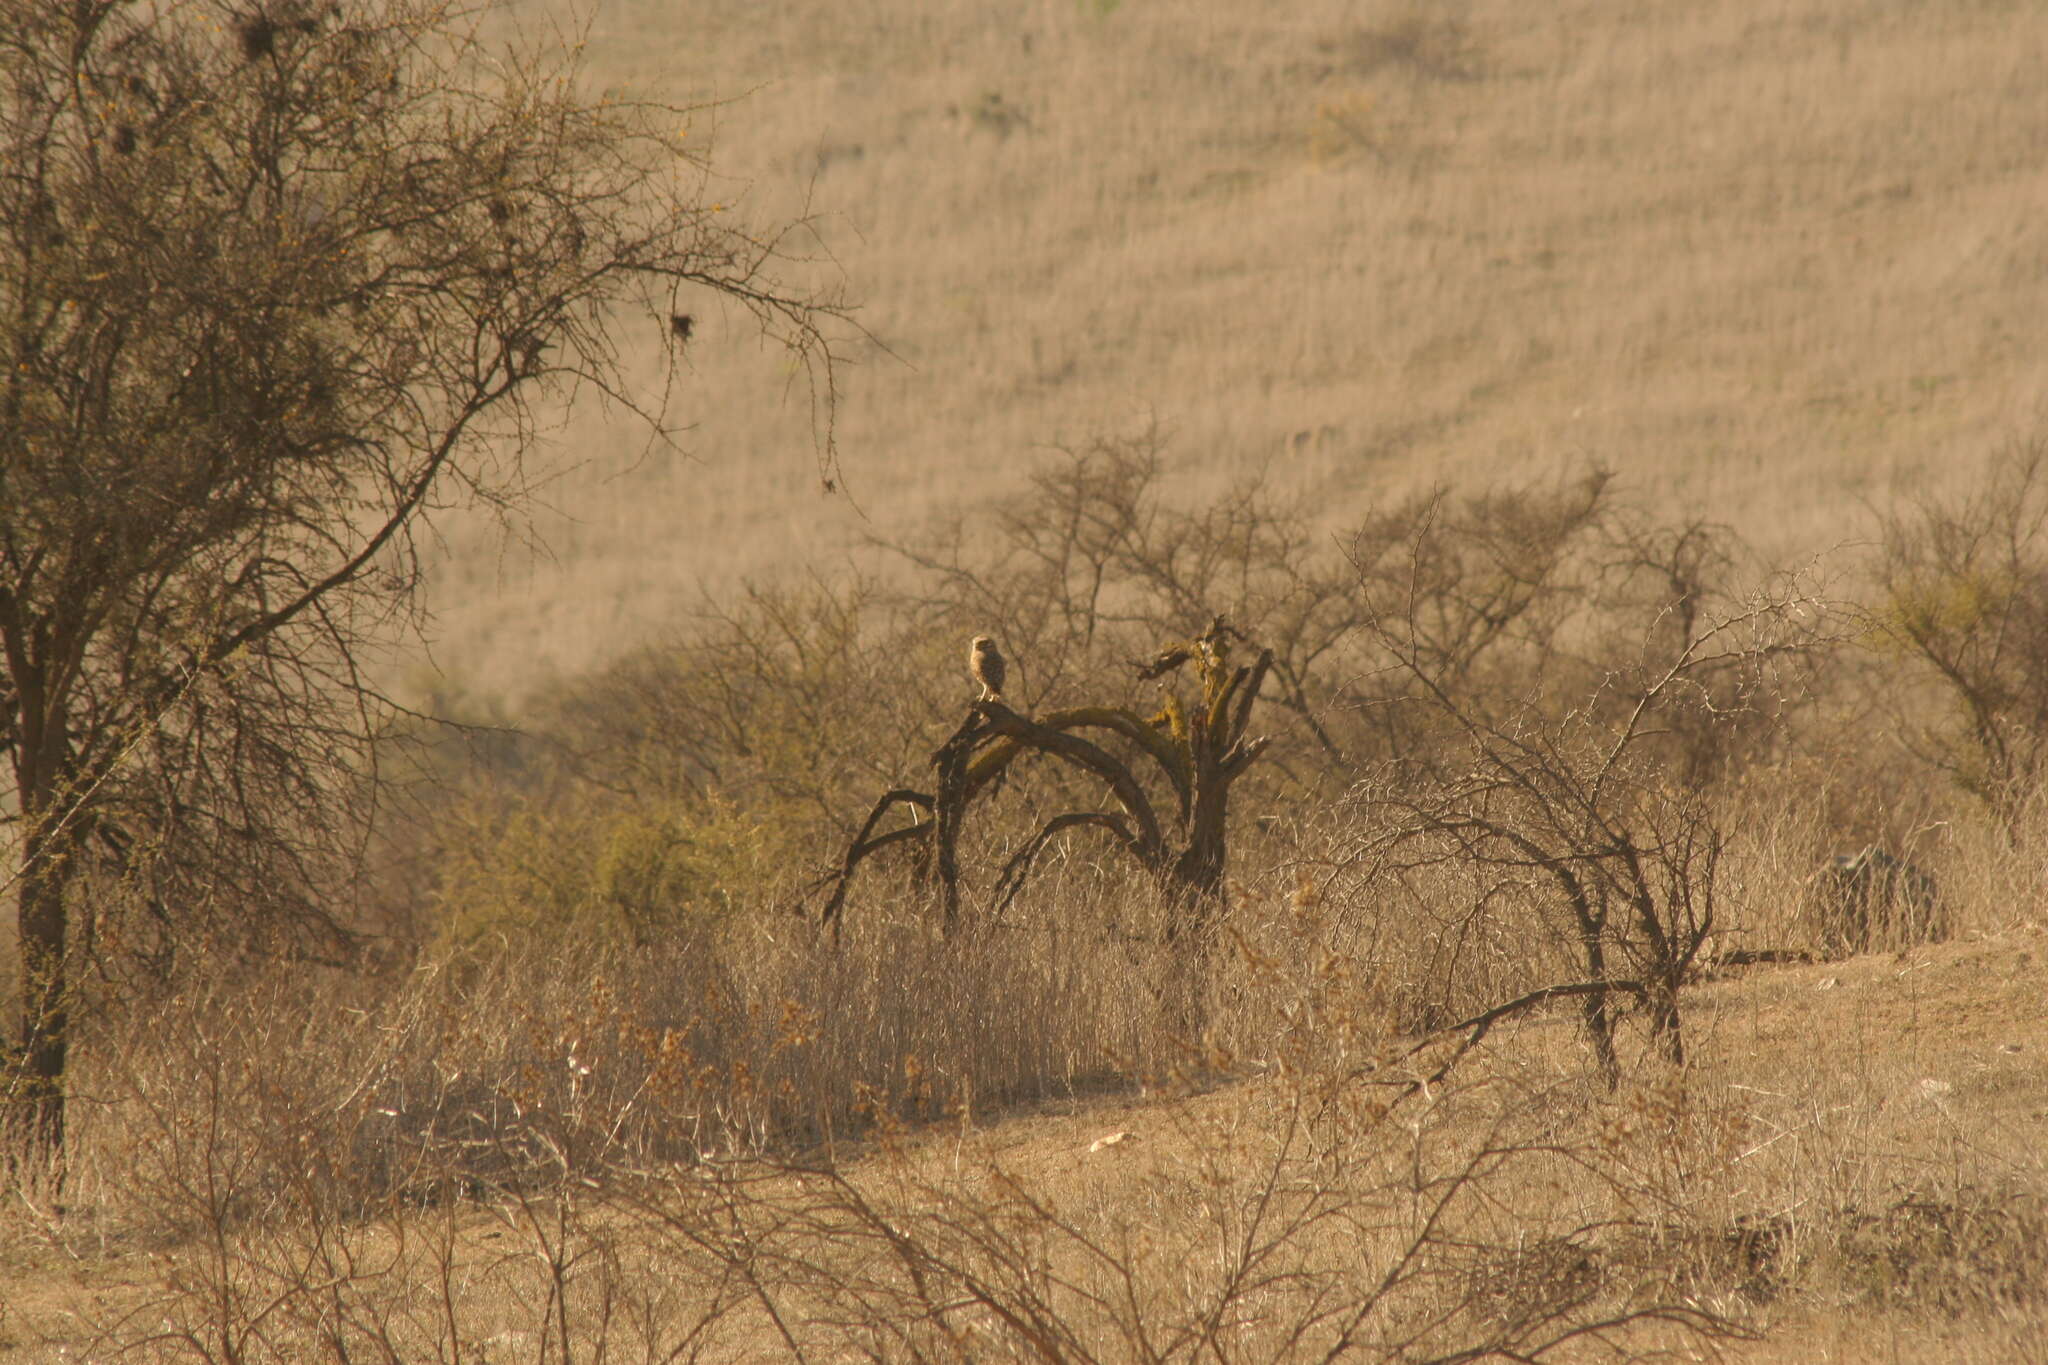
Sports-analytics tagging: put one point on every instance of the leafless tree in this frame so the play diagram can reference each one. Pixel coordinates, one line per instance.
(277, 282)
(1103, 554)
(1571, 803)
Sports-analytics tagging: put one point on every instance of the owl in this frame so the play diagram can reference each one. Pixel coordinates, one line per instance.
(986, 663)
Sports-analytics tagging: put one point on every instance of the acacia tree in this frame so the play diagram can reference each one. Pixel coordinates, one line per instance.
(276, 283)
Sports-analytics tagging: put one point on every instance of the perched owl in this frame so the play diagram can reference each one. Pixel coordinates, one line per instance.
(986, 661)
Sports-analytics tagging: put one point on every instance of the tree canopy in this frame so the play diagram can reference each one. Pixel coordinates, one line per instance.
(276, 284)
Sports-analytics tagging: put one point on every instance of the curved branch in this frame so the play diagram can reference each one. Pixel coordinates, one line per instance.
(1149, 844)
(1172, 760)
(1253, 678)
(867, 842)
(1019, 867)
(1243, 755)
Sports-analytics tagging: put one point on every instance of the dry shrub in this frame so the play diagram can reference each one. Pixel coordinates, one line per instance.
(741, 1135)
(1780, 837)
(1303, 1222)
(1962, 609)
(319, 1157)
(781, 709)
(1970, 1249)
(605, 1154)
(1985, 867)
(1424, 946)
(1991, 869)
(748, 1034)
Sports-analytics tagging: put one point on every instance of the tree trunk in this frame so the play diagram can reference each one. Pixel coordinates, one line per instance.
(1599, 1024)
(1662, 977)
(37, 1088)
(949, 812)
(1664, 1021)
(1197, 878)
(1591, 917)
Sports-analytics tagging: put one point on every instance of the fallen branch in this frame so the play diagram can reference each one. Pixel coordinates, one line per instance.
(1751, 957)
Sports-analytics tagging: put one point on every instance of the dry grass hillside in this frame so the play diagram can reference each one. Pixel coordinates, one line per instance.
(1767, 259)
(723, 1008)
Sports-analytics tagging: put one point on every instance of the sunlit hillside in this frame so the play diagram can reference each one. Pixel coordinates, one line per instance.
(1769, 260)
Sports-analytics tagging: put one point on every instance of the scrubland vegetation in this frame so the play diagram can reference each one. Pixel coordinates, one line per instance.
(1473, 1057)
(1517, 1011)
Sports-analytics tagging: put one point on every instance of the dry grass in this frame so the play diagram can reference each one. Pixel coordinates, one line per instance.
(1765, 260)
(750, 1145)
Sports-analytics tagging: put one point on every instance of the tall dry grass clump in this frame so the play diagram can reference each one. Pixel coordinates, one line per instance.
(750, 1036)
(510, 1160)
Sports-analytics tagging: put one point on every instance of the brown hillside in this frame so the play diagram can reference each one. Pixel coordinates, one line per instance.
(1772, 260)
